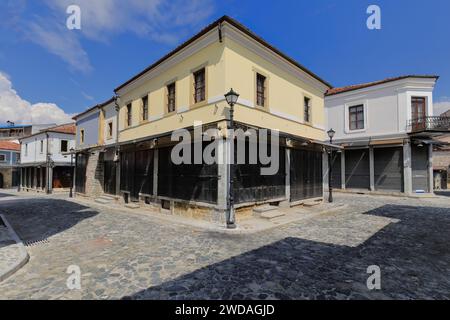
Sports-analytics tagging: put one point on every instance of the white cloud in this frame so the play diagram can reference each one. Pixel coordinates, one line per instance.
(161, 21)
(20, 111)
(158, 20)
(441, 106)
(61, 42)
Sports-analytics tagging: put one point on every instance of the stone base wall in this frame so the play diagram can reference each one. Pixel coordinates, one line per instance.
(7, 177)
(180, 208)
(94, 174)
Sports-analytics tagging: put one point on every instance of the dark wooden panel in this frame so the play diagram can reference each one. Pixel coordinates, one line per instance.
(357, 171)
(388, 168)
(80, 175)
(251, 186)
(336, 171)
(196, 182)
(306, 178)
(419, 164)
(109, 174)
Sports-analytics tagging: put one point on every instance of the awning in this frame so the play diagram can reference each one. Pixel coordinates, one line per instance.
(329, 145)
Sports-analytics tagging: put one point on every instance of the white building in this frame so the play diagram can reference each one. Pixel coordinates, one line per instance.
(44, 158)
(386, 128)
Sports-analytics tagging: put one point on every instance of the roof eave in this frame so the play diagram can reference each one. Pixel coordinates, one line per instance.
(207, 29)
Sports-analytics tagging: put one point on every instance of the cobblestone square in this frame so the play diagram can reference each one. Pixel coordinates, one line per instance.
(123, 255)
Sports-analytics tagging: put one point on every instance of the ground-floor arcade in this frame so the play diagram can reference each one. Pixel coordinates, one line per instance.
(143, 173)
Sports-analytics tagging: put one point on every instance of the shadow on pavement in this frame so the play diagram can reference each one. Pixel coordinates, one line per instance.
(413, 255)
(4, 195)
(37, 219)
(443, 193)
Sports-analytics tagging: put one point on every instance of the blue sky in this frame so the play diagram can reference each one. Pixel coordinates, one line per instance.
(45, 67)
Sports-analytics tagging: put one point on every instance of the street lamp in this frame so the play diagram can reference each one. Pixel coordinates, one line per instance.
(330, 133)
(71, 173)
(231, 97)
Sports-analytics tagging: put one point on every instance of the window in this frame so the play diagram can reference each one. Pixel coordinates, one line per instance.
(418, 108)
(42, 146)
(64, 145)
(145, 108)
(17, 157)
(356, 117)
(307, 109)
(26, 149)
(110, 129)
(260, 90)
(81, 136)
(2, 158)
(128, 119)
(199, 86)
(171, 97)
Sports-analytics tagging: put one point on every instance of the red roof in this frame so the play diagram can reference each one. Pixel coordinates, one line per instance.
(334, 91)
(9, 145)
(69, 128)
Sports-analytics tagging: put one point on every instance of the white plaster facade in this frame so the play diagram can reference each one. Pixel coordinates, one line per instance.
(32, 152)
(387, 113)
(387, 108)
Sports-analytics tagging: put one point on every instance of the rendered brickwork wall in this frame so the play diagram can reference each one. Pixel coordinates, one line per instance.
(94, 174)
(7, 177)
(441, 159)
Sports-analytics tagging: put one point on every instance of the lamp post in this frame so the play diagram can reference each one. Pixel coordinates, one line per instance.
(330, 133)
(71, 173)
(231, 97)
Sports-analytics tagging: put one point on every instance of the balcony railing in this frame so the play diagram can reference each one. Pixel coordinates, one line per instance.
(436, 123)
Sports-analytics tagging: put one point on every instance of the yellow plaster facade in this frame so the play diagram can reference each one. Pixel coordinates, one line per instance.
(228, 64)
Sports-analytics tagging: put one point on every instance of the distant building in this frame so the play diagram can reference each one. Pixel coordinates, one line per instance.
(441, 161)
(96, 150)
(45, 159)
(9, 164)
(388, 132)
(15, 132)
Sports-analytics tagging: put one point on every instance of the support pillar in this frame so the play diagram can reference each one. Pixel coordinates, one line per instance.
(372, 169)
(430, 169)
(287, 202)
(155, 172)
(343, 169)
(222, 181)
(407, 170)
(117, 172)
(325, 172)
(35, 173)
(49, 180)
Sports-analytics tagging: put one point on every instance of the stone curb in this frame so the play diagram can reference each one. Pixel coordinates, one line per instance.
(24, 256)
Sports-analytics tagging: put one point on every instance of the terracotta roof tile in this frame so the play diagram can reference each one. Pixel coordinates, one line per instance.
(334, 91)
(69, 128)
(8, 145)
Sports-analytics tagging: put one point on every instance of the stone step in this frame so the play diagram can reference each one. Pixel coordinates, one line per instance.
(132, 206)
(311, 203)
(272, 214)
(107, 197)
(102, 201)
(265, 208)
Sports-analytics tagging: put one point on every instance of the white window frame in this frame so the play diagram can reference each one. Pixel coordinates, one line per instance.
(347, 107)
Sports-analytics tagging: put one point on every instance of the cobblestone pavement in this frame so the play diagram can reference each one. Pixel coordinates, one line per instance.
(135, 256)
